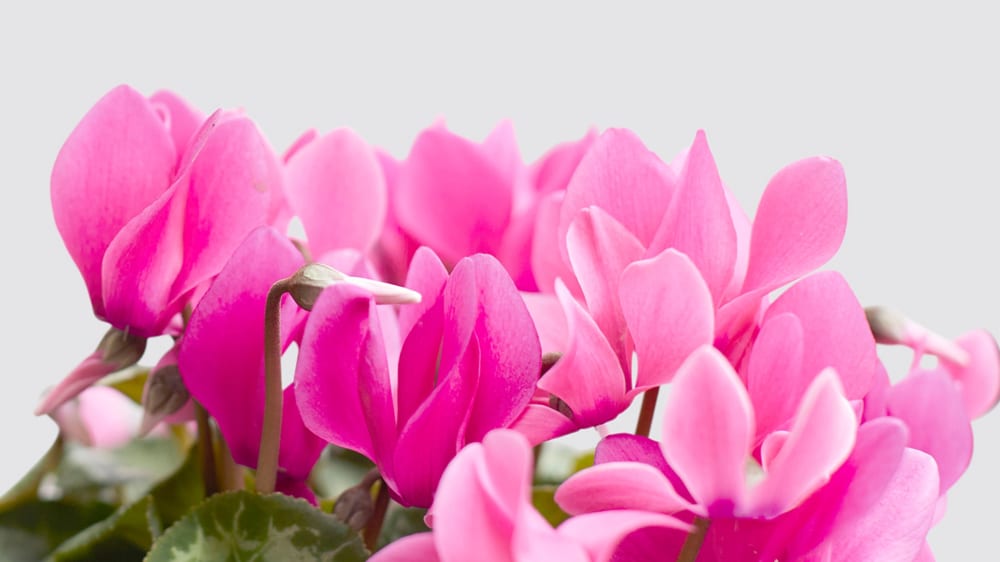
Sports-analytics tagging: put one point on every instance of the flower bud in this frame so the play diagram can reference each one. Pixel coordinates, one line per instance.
(355, 507)
(310, 280)
(164, 394)
(121, 349)
(892, 327)
(887, 325)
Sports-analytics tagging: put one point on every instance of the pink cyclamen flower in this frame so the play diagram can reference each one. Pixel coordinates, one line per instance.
(482, 511)
(666, 262)
(150, 207)
(460, 197)
(468, 364)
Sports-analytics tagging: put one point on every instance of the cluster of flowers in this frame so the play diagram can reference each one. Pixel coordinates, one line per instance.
(476, 306)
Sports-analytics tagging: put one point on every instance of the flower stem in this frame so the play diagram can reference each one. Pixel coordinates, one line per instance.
(207, 450)
(646, 413)
(374, 527)
(692, 544)
(270, 435)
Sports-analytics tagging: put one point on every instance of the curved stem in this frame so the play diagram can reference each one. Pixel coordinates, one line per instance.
(646, 413)
(374, 527)
(207, 450)
(692, 544)
(270, 435)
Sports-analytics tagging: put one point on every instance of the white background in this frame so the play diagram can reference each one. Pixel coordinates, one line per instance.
(906, 98)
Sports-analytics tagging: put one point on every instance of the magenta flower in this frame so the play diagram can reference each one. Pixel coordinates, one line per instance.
(482, 511)
(222, 353)
(469, 361)
(666, 262)
(460, 197)
(150, 211)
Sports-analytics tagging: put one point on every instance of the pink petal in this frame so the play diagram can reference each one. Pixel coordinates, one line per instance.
(708, 429)
(336, 188)
(342, 377)
(835, 332)
(742, 228)
(821, 438)
(895, 528)
(549, 320)
(410, 548)
(182, 120)
(451, 197)
(221, 355)
(114, 164)
(980, 378)
(799, 225)
(481, 302)
(539, 423)
(299, 447)
(933, 409)
(600, 249)
(601, 533)
(587, 377)
(547, 250)
(669, 312)
(536, 541)
(698, 222)
(82, 377)
(775, 377)
(232, 180)
(427, 276)
(622, 177)
(553, 171)
(621, 485)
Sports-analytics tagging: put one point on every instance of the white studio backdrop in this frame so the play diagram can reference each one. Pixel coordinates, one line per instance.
(905, 97)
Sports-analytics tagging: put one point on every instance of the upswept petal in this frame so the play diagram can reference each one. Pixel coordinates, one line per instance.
(451, 197)
(549, 320)
(510, 355)
(979, 379)
(115, 163)
(409, 549)
(668, 308)
(539, 423)
(698, 222)
(622, 177)
(335, 186)
(180, 118)
(231, 182)
(554, 169)
(92, 369)
(835, 332)
(221, 370)
(433, 434)
(799, 225)
(821, 438)
(600, 248)
(536, 541)
(933, 409)
(588, 376)
(895, 528)
(299, 447)
(621, 485)
(601, 533)
(342, 377)
(742, 227)
(547, 250)
(776, 380)
(708, 429)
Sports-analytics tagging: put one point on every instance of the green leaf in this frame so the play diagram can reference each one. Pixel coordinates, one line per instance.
(32, 530)
(246, 526)
(337, 470)
(133, 468)
(122, 536)
(401, 521)
(26, 488)
(543, 498)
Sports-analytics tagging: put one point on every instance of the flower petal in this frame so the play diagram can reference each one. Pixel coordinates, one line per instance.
(547, 250)
(698, 222)
(980, 378)
(600, 533)
(708, 429)
(621, 485)
(335, 186)
(800, 223)
(775, 378)
(821, 438)
(411, 548)
(182, 120)
(669, 312)
(115, 163)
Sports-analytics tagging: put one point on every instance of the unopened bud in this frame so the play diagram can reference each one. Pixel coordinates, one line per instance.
(310, 280)
(355, 507)
(121, 349)
(165, 394)
(887, 325)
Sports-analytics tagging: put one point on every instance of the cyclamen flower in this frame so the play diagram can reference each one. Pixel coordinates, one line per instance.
(469, 361)
(482, 511)
(460, 198)
(150, 207)
(666, 262)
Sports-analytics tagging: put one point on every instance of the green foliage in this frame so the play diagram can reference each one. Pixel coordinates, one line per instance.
(33, 529)
(246, 526)
(401, 521)
(543, 498)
